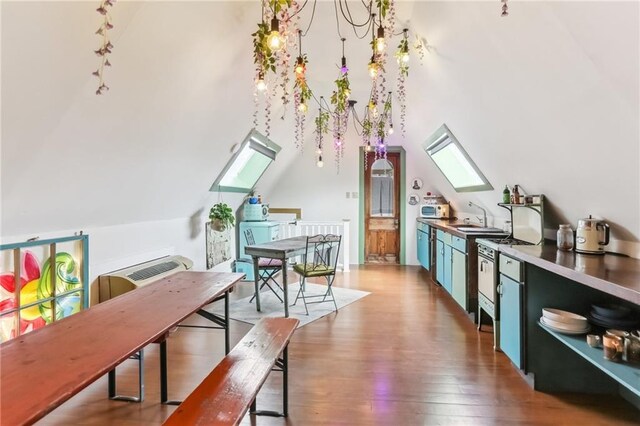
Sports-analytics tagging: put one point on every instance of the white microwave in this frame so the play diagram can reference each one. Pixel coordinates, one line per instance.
(434, 211)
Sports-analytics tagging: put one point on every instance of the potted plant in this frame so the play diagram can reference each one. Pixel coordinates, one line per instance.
(221, 216)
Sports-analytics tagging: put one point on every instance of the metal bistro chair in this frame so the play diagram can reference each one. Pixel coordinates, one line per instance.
(267, 269)
(320, 260)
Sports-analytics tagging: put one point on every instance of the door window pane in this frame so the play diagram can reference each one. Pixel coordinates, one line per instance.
(382, 187)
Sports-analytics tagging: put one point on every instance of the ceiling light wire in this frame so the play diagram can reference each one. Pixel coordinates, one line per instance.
(313, 13)
(353, 24)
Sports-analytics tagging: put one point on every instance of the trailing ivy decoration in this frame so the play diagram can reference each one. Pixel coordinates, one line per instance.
(403, 49)
(340, 96)
(383, 7)
(263, 57)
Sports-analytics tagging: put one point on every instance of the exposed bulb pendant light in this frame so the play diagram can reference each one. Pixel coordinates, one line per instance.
(261, 85)
(380, 43)
(405, 48)
(300, 68)
(319, 163)
(343, 68)
(275, 40)
(390, 131)
(373, 68)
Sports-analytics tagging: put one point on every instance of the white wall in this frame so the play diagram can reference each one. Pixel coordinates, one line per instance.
(547, 98)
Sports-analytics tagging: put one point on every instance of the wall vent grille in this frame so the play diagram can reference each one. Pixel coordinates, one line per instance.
(153, 271)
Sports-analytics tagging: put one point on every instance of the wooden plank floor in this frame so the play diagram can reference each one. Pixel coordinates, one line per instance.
(404, 355)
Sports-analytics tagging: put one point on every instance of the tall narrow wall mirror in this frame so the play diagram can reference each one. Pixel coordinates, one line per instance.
(454, 162)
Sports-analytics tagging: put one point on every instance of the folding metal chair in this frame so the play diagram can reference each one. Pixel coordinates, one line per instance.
(268, 269)
(320, 260)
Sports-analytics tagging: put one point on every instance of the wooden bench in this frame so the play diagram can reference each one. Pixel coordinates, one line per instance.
(226, 394)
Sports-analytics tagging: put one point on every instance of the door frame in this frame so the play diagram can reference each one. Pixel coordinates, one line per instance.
(403, 207)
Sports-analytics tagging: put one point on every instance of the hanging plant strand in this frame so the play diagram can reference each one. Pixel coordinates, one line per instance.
(505, 8)
(105, 46)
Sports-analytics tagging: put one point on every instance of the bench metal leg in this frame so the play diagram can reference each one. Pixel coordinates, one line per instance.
(223, 322)
(282, 364)
(164, 398)
(113, 394)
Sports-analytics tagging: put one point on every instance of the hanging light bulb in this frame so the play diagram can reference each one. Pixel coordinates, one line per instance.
(380, 43)
(405, 47)
(260, 83)
(369, 148)
(320, 163)
(302, 107)
(343, 66)
(299, 69)
(275, 40)
(373, 68)
(390, 131)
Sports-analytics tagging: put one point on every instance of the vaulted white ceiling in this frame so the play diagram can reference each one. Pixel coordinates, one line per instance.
(547, 98)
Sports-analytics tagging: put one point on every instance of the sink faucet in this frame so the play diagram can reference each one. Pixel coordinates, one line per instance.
(484, 213)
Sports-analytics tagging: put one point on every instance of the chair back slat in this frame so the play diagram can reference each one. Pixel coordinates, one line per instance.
(322, 252)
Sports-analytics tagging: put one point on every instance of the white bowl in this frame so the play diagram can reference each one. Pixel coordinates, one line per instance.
(569, 318)
(564, 326)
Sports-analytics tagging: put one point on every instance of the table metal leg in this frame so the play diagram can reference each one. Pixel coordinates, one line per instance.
(284, 286)
(256, 278)
(227, 343)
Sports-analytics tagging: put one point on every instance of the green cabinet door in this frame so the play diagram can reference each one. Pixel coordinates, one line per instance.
(459, 277)
(511, 319)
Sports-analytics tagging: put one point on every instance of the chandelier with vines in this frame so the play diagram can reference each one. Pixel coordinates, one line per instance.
(279, 34)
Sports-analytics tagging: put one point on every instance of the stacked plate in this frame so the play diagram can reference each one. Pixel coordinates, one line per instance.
(613, 316)
(564, 322)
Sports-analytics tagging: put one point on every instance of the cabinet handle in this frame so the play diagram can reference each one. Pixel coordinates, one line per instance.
(508, 262)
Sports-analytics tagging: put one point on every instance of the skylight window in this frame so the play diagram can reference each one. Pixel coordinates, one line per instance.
(454, 162)
(247, 165)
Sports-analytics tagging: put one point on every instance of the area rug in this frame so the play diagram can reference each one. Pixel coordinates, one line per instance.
(242, 310)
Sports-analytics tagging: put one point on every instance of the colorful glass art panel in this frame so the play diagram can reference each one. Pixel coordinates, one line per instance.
(8, 326)
(41, 287)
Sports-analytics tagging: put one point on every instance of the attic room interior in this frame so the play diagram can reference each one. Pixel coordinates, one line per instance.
(301, 212)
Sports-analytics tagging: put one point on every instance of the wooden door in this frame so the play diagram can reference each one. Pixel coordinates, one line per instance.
(382, 209)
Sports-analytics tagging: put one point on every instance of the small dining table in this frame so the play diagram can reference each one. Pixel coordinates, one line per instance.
(44, 368)
(279, 249)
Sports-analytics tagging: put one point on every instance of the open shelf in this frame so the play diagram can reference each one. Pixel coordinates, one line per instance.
(520, 205)
(626, 374)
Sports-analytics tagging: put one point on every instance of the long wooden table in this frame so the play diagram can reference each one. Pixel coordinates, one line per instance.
(279, 249)
(44, 368)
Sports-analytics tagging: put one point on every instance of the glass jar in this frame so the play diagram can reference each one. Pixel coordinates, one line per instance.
(507, 227)
(565, 238)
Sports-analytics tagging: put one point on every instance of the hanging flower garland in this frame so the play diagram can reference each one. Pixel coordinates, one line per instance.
(105, 46)
(402, 57)
(505, 8)
(302, 96)
(340, 102)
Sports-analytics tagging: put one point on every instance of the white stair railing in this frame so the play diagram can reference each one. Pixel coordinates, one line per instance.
(307, 228)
